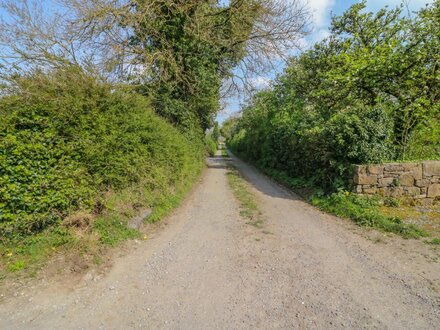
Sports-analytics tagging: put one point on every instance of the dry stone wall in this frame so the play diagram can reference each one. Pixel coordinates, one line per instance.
(420, 181)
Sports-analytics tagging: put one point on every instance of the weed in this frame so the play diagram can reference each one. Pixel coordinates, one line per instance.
(114, 230)
(31, 251)
(97, 260)
(435, 241)
(391, 201)
(16, 266)
(365, 212)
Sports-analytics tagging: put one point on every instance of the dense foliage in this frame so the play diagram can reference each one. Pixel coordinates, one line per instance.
(195, 43)
(212, 140)
(368, 93)
(66, 137)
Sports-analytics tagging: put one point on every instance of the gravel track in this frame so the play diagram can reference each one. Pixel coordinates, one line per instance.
(208, 269)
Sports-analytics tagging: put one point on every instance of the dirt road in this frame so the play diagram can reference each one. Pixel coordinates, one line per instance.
(208, 269)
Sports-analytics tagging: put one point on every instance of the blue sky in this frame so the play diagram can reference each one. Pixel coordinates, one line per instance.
(322, 12)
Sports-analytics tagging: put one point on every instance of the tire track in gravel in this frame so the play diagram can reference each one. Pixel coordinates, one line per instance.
(208, 269)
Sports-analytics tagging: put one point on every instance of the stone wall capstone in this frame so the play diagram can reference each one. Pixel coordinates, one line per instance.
(419, 181)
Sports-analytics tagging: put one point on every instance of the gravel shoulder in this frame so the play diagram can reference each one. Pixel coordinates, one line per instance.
(207, 268)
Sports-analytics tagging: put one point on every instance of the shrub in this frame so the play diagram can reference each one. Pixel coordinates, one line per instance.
(210, 145)
(358, 135)
(65, 137)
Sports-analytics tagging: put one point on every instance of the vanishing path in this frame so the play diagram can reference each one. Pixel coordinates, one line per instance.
(208, 269)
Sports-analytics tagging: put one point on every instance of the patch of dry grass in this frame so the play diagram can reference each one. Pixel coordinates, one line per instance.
(425, 217)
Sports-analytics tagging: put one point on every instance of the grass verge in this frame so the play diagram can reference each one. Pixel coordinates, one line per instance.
(365, 212)
(435, 241)
(93, 234)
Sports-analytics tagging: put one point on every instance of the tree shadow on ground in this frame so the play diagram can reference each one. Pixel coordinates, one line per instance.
(253, 176)
(219, 162)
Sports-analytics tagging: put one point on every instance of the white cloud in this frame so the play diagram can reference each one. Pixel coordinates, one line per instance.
(321, 11)
(260, 82)
(303, 43)
(320, 35)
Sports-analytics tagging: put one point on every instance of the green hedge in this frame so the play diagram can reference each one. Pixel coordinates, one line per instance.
(65, 138)
(367, 94)
(210, 145)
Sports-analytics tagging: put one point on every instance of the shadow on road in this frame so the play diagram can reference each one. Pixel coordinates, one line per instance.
(218, 162)
(253, 176)
(262, 182)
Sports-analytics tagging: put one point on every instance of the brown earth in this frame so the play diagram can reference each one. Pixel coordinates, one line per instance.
(207, 269)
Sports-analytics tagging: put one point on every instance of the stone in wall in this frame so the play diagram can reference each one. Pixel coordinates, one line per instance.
(375, 169)
(434, 190)
(407, 179)
(411, 191)
(422, 183)
(386, 182)
(364, 179)
(431, 168)
(413, 180)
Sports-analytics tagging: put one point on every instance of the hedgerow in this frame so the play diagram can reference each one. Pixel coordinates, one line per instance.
(368, 93)
(67, 138)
